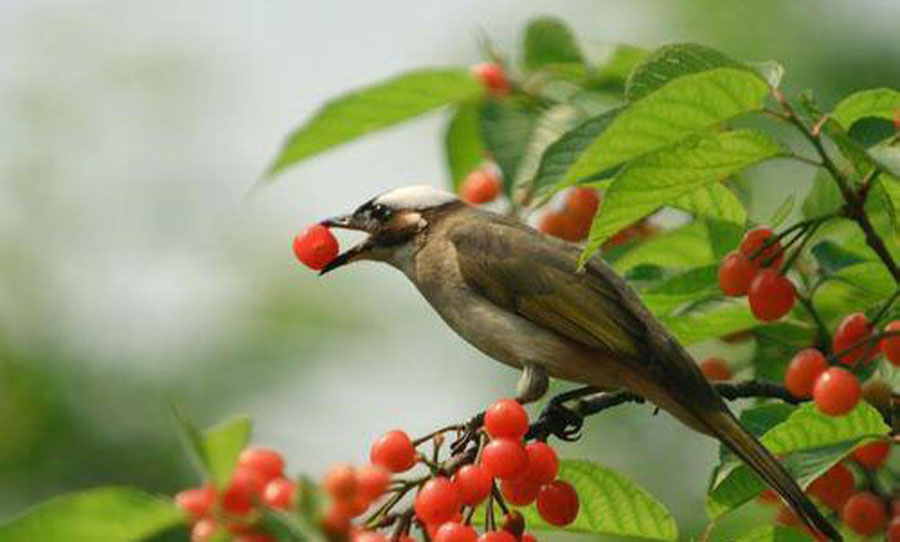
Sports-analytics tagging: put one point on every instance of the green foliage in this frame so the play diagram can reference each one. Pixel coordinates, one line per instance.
(714, 201)
(96, 515)
(770, 533)
(672, 61)
(462, 141)
(694, 163)
(879, 102)
(549, 41)
(217, 449)
(611, 504)
(506, 128)
(374, 108)
(811, 441)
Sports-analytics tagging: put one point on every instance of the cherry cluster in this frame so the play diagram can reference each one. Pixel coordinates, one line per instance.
(754, 270)
(849, 490)
(488, 465)
(257, 483)
(834, 383)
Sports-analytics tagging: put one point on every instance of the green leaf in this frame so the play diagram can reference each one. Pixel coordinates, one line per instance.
(559, 156)
(681, 107)
(217, 449)
(774, 533)
(815, 443)
(878, 102)
(506, 128)
(549, 41)
(222, 445)
(616, 65)
(711, 321)
(552, 124)
(715, 201)
(831, 257)
(776, 344)
(808, 428)
(783, 211)
(689, 286)
(854, 287)
(659, 178)
(96, 515)
(671, 62)
(684, 247)
(823, 198)
(611, 504)
(464, 148)
(374, 108)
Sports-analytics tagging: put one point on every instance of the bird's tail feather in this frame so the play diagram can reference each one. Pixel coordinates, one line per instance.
(728, 430)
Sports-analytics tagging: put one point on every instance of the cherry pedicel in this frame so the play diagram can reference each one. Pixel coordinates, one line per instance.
(851, 331)
(315, 247)
(752, 247)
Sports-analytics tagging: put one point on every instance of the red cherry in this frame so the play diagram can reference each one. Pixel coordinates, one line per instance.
(438, 501)
(242, 491)
(834, 487)
(768, 496)
(340, 481)
(715, 369)
(891, 345)
(372, 481)
(265, 461)
(453, 531)
(836, 391)
(582, 203)
(480, 186)
(394, 451)
(497, 536)
(771, 295)
(492, 76)
(520, 491)
(803, 371)
(254, 537)
(787, 517)
(335, 521)
(528, 537)
(893, 530)
(853, 329)
(561, 225)
(474, 484)
(279, 493)
(505, 458)
(557, 503)
(735, 274)
(543, 464)
(752, 243)
(864, 513)
(315, 246)
(506, 418)
(204, 530)
(873, 455)
(197, 502)
(353, 507)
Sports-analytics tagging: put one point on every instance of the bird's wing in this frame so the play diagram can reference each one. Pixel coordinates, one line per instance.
(533, 275)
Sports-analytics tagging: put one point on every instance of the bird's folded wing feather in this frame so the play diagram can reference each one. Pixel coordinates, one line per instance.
(535, 276)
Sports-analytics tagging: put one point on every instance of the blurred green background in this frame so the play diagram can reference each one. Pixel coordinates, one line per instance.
(138, 268)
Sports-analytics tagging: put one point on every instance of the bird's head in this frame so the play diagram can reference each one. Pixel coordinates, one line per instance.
(392, 220)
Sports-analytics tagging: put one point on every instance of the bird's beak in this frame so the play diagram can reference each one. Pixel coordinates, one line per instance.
(356, 252)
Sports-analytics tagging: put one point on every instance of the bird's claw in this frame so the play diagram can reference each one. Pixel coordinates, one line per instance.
(560, 421)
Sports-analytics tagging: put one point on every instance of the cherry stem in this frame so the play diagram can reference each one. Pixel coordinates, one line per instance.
(873, 338)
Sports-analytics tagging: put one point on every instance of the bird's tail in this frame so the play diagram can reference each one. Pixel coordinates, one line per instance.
(727, 429)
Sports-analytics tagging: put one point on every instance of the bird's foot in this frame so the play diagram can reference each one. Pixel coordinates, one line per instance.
(560, 421)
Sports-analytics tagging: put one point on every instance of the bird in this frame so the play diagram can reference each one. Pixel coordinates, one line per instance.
(518, 296)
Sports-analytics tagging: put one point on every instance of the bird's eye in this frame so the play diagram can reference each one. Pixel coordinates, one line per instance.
(381, 212)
